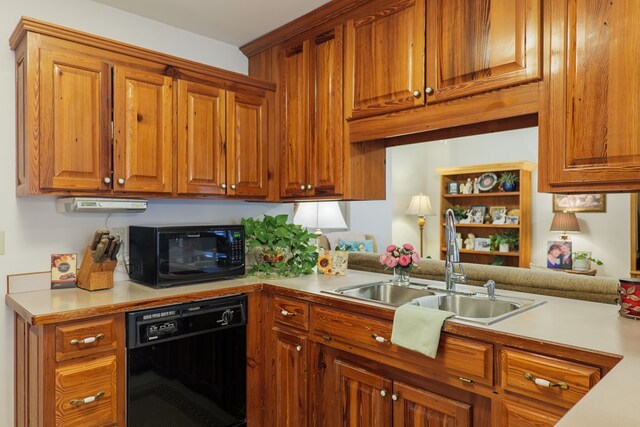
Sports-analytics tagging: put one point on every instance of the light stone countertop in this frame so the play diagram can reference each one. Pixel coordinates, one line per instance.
(592, 326)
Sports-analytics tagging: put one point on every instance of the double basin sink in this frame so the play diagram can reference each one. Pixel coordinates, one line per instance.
(468, 306)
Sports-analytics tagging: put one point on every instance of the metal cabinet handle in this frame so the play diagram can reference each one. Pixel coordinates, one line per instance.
(383, 393)
(121, 181)
(395, 397)
(106, 180)
(545, 383)
(287, 313)
(428, 90)
(326, 337)
(309, 186)
(86, 400)
(223, 186)
(379, 338)
(298, 347)
(233, 186)
(302, 187)
(416, 93)
(87, 340)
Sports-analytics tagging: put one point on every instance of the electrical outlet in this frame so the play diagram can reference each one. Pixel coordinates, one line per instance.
(123, 233)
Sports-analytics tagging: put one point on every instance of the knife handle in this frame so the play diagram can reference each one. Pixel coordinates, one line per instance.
(113, 254)
(99, 252)
(96, 239)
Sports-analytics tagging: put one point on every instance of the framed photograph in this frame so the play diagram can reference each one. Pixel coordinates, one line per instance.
(498, 214)
(452, 188)
(482, 244)
(559, 255)
(477, 214)
(512, 219)
(579, 202)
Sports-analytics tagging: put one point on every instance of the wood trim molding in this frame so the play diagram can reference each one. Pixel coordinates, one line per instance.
(528, 166)
(27, 24)
(320, 16)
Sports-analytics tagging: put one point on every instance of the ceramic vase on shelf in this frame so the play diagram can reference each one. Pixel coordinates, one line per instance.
(504, 247)
(401, 276)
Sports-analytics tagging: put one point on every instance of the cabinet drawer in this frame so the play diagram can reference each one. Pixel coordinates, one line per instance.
(85, 338)
(458, 357)
(558, 381)
(86, 393)
(517, 414)
(291, 312)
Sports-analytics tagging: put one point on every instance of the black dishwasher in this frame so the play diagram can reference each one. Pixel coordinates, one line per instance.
(186, 364)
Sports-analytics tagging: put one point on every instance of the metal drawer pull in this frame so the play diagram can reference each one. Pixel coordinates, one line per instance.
(466, 380)
(86, 400)
(287, 313)
(379, 338)
(87, 340)
(326, 337)
(545, 383)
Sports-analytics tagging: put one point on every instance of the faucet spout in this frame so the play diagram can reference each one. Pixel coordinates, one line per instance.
(452, 257)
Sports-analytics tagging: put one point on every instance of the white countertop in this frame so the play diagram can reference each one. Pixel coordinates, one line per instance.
(587, 325)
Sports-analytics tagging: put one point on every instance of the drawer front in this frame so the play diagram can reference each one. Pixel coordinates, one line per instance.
(546, 378)
(84, 338)
(86, 393)
(458, 357)
(291, 312)
(517, 414)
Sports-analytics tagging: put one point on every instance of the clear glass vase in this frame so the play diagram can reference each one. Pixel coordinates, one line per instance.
(401, 276)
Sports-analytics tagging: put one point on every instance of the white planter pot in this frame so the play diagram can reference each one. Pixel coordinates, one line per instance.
(581, 264)
(504, 247)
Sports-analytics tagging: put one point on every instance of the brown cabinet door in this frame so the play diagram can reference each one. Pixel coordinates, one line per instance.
(385, 62)
(75, 121)
(246, 145)
(525, 415)
(201, 138)
(294, 176)
(291, 389)
(416, 407)
(365, 397)
(477, 46)
(326, 151)
(143, 150)
(589, 127)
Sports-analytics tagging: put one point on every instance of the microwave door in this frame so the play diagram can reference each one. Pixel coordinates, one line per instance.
(201, 253)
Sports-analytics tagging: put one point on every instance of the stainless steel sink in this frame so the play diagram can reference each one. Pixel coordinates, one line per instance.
(467, 306)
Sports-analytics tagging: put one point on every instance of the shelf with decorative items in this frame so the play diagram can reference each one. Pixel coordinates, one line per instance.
(492, 208)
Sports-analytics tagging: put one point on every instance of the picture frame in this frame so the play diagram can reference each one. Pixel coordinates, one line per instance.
(452, 187)
(482, 244)
(498, 214)
(477, 214)
(560, 255)
(510, 219)
(580, 202)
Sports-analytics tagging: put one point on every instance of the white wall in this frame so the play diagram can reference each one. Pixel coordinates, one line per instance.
(32, 228)
(413, 170)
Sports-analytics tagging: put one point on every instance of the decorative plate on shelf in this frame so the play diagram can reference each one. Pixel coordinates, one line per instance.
(487, 181)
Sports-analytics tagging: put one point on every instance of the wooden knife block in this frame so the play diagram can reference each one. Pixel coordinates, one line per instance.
(94, 276)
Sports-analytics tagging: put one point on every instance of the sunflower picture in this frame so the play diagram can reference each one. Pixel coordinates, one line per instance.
(333, 262)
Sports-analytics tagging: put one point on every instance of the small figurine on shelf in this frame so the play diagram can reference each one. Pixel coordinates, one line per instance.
(459, 240)
(470, 241)
(476, 190)
(466, 188)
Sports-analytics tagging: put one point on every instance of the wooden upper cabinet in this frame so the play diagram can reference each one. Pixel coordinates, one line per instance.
(589, 127)
(385, 58)
(246, 155)
(143, 151)
(75, 145)
(201, 126)
(481, 45)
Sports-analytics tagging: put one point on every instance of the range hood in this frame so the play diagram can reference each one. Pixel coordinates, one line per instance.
(100, 205)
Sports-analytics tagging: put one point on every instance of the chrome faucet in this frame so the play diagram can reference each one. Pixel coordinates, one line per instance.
(453, 254)
(491, 288)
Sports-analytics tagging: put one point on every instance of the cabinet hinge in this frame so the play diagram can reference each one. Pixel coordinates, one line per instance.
(112, 131)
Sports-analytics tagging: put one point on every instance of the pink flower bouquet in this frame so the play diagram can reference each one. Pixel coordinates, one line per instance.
(403, 257)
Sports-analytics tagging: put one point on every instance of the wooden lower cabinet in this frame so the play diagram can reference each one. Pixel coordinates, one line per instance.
(291, 388)
(523, 414)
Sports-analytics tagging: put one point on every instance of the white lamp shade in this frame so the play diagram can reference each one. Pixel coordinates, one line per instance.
(320, 215)
(420, 205)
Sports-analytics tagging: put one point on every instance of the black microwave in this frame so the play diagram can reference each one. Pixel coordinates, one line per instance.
(166, 256)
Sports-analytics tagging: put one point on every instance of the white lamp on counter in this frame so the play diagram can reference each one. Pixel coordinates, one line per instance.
(318, 216)
(420, 205)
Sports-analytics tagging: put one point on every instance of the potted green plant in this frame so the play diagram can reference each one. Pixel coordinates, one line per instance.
(502, 242)
(278, 248)
(459, 213)
(582, 260)
(508, 181)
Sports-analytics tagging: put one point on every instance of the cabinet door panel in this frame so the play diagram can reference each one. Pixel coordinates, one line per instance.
(415, 407)
(361, 396)
(326, 157)
(143, 131)
(481, 45)
(246, 145)
(75, 142)
(385, 59)
(291, 380)
(201, 154)
(295, 114)
(514, 414)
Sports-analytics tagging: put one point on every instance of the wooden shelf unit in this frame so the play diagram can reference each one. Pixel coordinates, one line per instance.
(518, 199)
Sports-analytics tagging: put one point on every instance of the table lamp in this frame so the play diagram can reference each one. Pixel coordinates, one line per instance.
(565, 222)
(421, 206)
(319, 215)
